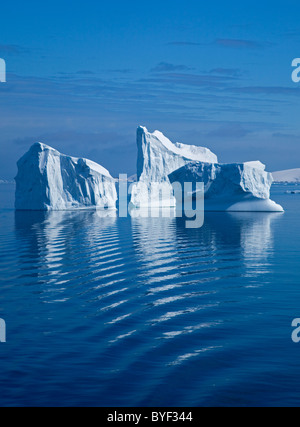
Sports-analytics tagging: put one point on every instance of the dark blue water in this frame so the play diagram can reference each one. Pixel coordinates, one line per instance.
(143, 312)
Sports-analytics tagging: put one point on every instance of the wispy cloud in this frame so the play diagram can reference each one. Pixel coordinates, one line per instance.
(120, 71)
(265, 90)
(239, 44)
(12, 49)
(232, 72)
(226, 43)
(285, 136)
(163, 67)
(231, 130)
(85, 72)
(184, 43)
(67, 137)
(200, 80)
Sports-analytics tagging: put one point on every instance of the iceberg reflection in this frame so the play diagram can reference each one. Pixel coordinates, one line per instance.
(63, 247)
(166, 248)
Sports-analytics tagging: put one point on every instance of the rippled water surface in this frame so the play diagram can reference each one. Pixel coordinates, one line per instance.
(144, 312)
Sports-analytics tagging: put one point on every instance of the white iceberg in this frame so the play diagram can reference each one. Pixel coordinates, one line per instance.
(48, 180)
(157, 158)
(287, 176)
(233, 187)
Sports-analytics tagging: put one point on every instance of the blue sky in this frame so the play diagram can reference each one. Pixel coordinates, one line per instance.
(83, 75)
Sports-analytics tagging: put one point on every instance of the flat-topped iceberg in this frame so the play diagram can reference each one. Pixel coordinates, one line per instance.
(243, 187)
(157, 158)
(48, 180)
(287, 176)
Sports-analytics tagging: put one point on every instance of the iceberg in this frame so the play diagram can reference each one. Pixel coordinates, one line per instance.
(48, 180)
(287, 176)
(243, 187)
(157, 158)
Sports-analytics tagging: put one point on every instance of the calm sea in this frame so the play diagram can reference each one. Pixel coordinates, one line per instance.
(144, 312)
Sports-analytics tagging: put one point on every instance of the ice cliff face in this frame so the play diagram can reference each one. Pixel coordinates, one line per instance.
(231, 187)
(157, 158)
(49, 180)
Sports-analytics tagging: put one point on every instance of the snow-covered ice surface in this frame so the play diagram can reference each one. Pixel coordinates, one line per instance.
(290, 175)
(49, 180)
(157, 158)
(231, 187)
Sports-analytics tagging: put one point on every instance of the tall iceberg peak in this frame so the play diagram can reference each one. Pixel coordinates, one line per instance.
(49, 180)
(157, 158)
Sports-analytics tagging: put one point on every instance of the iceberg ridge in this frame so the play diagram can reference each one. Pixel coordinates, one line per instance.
(157, 158)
